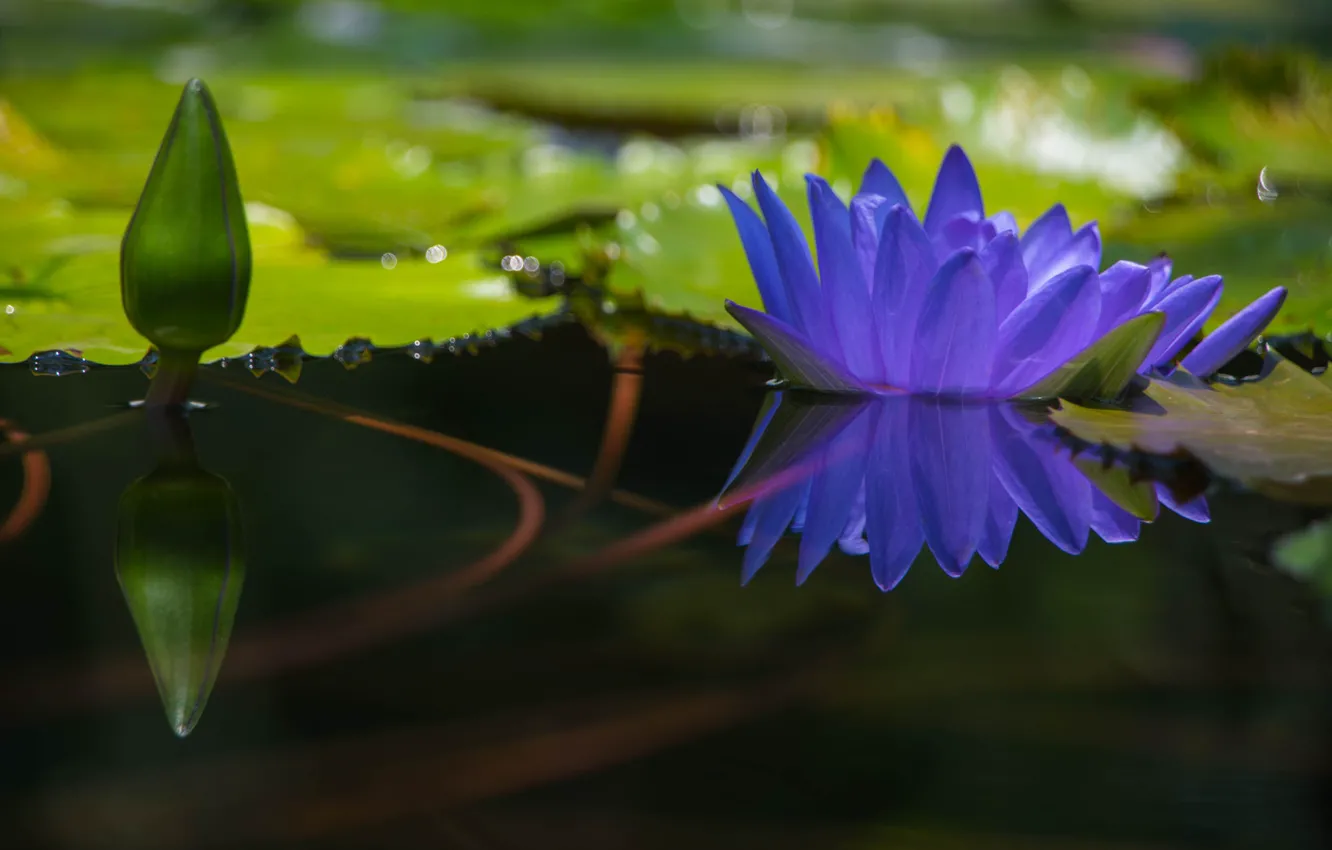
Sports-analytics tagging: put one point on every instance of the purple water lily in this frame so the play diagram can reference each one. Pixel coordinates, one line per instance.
(959, 304)
(889, 475)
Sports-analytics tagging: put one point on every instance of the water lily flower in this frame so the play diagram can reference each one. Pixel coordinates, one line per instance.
(891, 474)
(959, 304)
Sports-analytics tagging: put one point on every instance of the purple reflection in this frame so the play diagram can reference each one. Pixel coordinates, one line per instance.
(888, 476)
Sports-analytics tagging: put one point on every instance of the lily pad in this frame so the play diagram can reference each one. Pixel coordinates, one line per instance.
(295, 290)
(1272, 434)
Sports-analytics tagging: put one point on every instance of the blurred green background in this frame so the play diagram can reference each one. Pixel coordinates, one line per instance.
(368, 133)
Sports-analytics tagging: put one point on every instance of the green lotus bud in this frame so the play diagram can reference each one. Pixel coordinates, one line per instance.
(180, 564)
(185, 258)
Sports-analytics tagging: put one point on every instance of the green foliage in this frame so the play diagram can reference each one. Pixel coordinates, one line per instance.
(1251, 110)
(342, 169)
(1270, 434)
(1307, 555)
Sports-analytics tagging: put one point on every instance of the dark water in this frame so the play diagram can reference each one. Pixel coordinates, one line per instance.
(392, 681)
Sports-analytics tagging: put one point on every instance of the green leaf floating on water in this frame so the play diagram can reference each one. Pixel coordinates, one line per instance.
(294, 291)
(1273, 434)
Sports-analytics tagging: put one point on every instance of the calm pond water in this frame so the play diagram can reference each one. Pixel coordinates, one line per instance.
(439, 647)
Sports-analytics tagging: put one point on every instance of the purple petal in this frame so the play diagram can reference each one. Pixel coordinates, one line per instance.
(1002, 259)
(802, 510)
(833, 492)
(793, 353)
(1124, 289)
(795, 266)
(902, 273)
(1047, 235)
(1046, 330)
(1169, 289)
(999, 524)
(956, 191)
(1195, 509)
(1234, 335)
(772, 514)
(891, 516)
(1004, 222)
(746, 535)
(961, 231)
(1045, 484)
(771, 402)
(868, 214)
(955, 334)
(1111, 522)
(1160, 270)
(762, 261)
(852, 539)
(1084, 249)
(950, 466)
(880, 180)
(846, 295)
(1186, 309)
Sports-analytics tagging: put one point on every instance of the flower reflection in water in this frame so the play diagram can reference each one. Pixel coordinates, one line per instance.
(888, 475)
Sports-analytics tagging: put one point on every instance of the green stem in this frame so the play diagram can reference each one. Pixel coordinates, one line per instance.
(169, 427)
(171, 383)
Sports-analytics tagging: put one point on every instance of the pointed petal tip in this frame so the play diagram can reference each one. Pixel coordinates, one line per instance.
(889, 583)
(1234, 334)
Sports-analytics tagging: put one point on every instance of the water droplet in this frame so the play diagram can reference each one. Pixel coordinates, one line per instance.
(531, 264)
(389, 260)
(57, 363)
(625, 219)
(1267, 193)
(436, 254)
(422, 350)
(354, 352)
(9, 309)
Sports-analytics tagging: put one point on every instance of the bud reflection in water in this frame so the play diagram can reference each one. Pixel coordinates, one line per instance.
(887, 476)
(180, 563)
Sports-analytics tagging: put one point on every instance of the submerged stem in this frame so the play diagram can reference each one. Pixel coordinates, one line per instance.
(175, 375)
